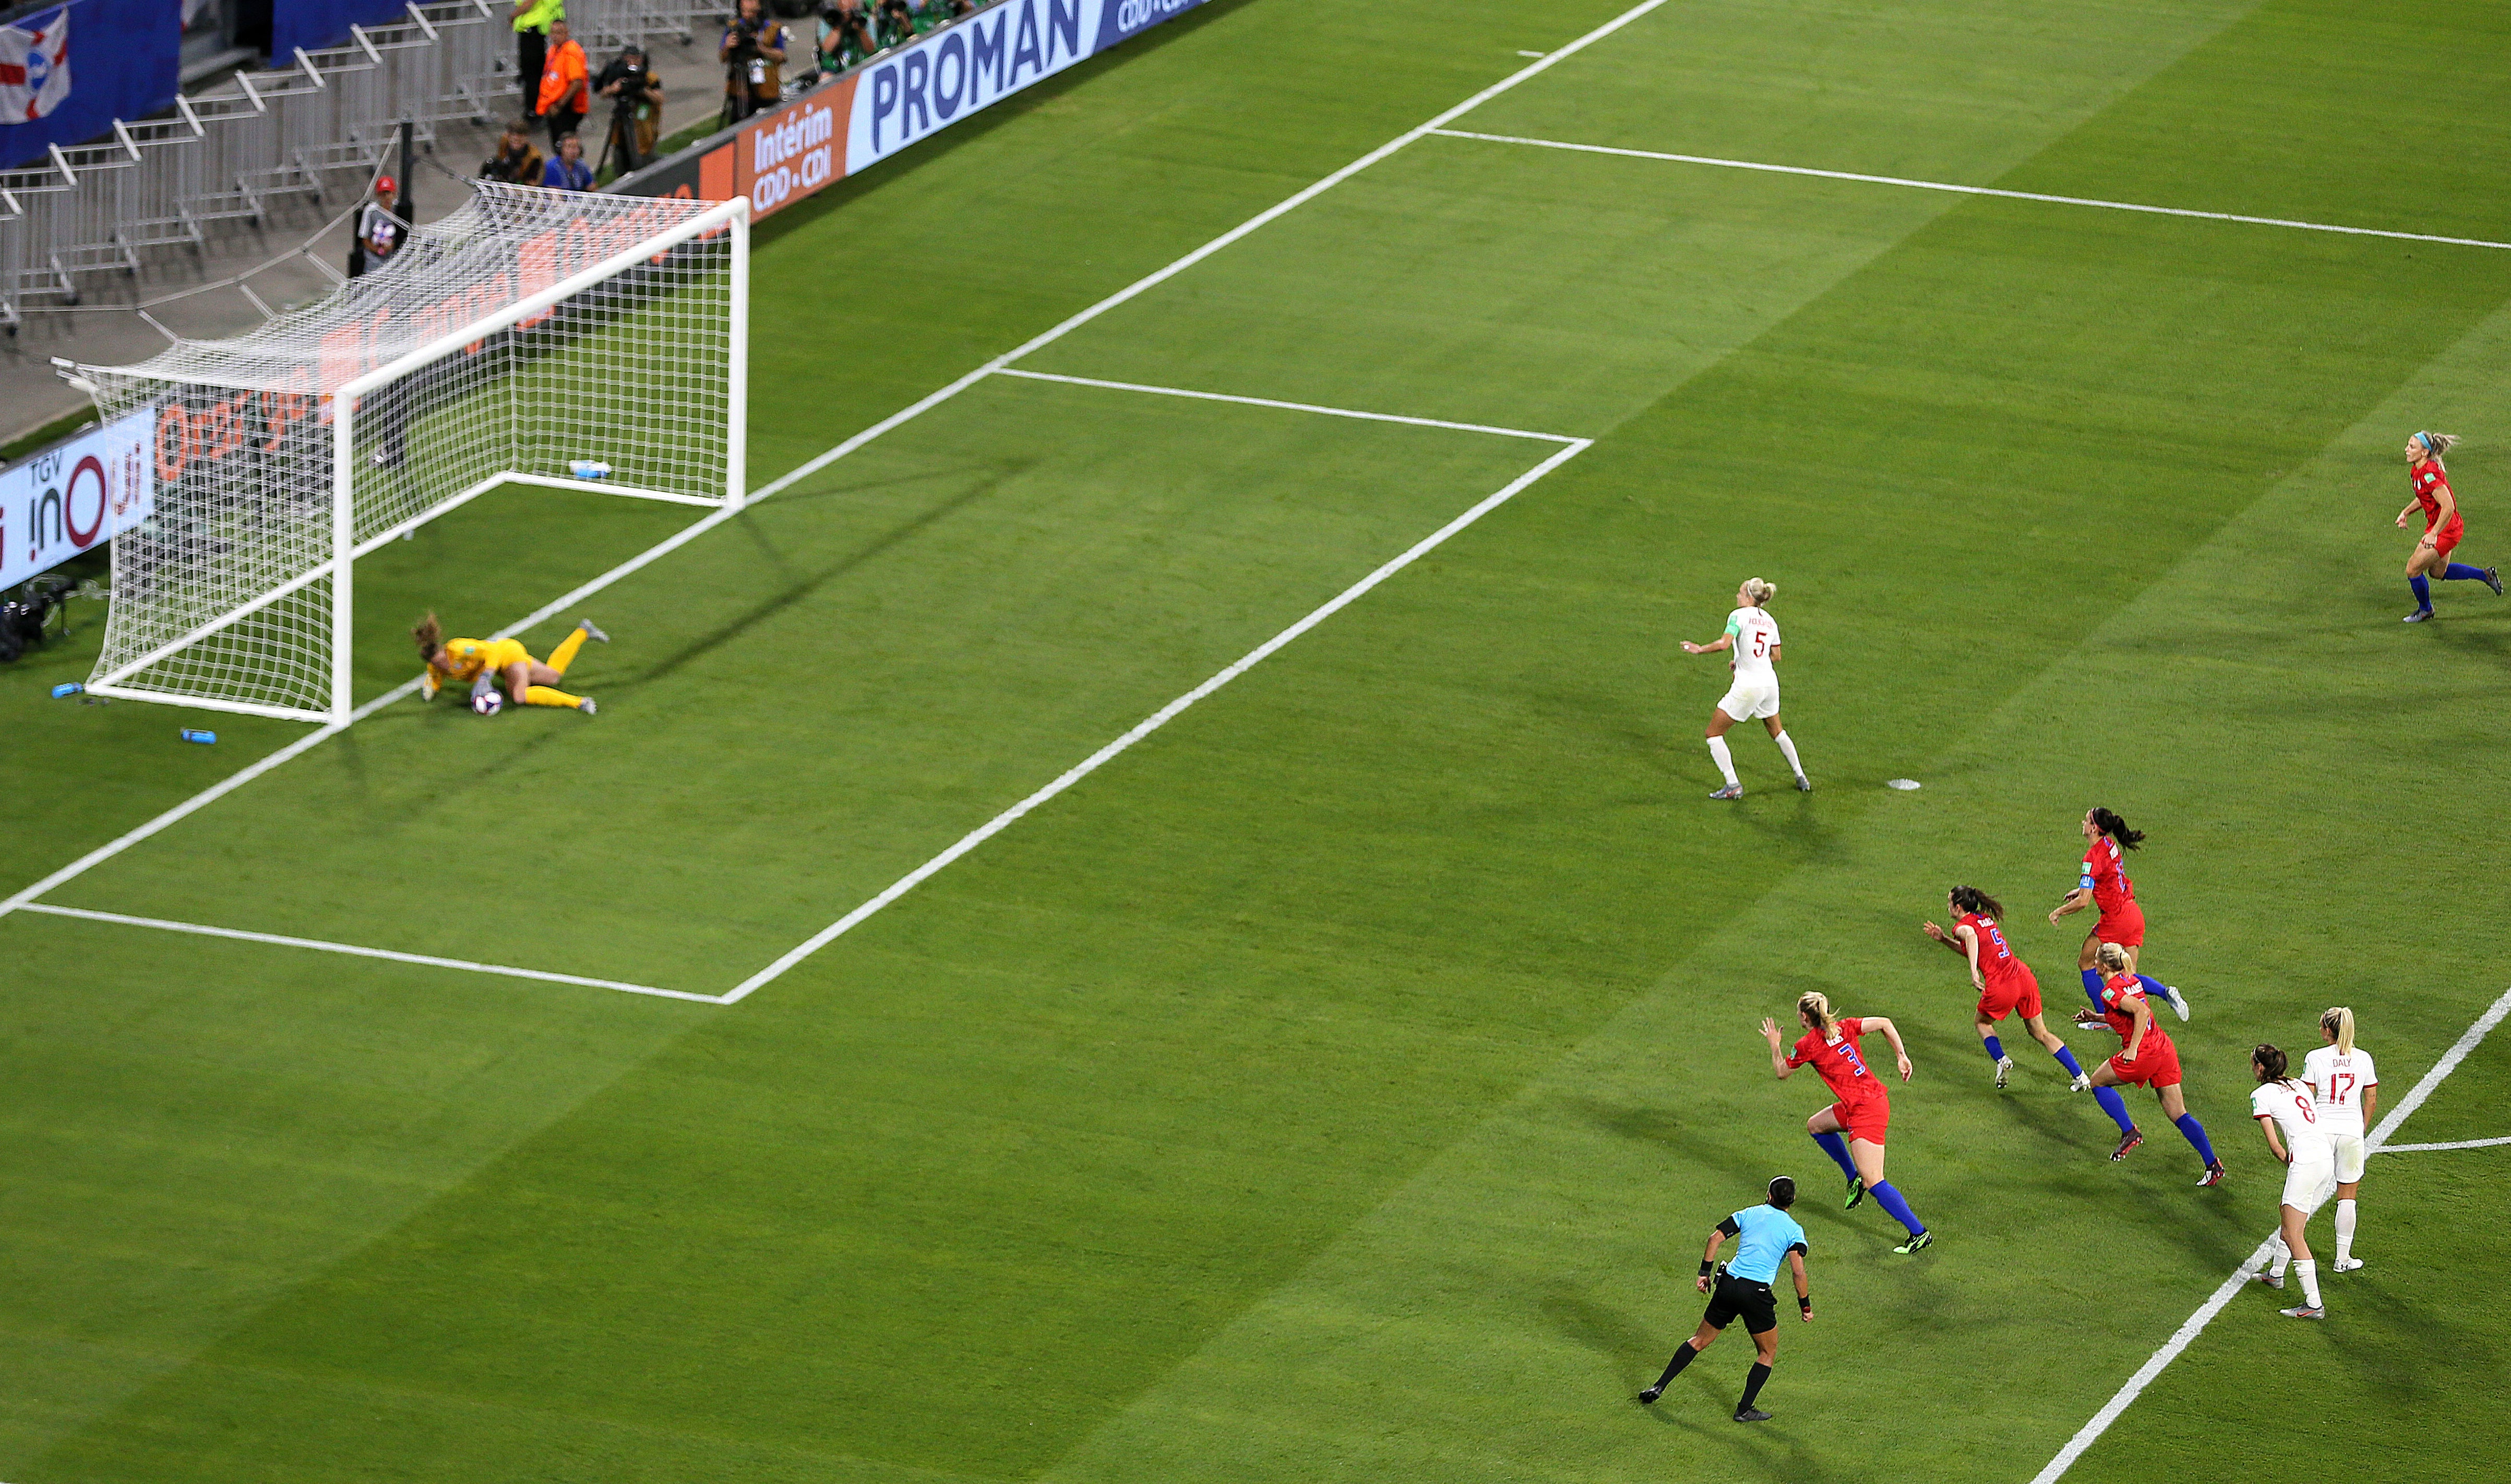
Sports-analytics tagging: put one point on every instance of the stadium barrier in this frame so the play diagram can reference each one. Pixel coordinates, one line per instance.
(859, 117)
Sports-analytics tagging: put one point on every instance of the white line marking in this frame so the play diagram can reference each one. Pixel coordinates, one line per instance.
(1157, 720)
(2196, 1323)
(1969, 190)
(1288, 406)
(2425, 1149)
(203, 930)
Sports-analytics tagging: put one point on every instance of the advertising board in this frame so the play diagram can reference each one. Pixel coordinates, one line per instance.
(74, 495)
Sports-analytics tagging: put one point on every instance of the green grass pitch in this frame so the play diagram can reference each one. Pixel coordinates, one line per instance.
(1337, 1084)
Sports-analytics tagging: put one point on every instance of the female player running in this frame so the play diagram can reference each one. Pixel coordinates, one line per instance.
(2310, 1170)
(2442, 527)
(483, 662)
(1863, 1110)
(2103, 883)
(1754, 637)
(2146, 1059)
(2004, 982)
(2346, 1092)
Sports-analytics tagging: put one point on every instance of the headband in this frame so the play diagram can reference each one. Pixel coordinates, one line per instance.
(2432, 445)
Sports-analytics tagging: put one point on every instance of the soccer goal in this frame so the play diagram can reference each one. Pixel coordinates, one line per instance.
(572, 340)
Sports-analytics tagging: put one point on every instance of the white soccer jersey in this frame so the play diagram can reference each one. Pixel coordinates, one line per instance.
(2337, 1084)
(2289, 1104)
(1756, 633)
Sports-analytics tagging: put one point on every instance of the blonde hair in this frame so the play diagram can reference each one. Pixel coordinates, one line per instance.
(1817, 1005)
(430, 638)
(2111, 956)
(2338, 1021)
(1758, 592)
(2437, 443)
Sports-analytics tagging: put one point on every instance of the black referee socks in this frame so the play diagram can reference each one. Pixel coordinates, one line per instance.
(1752, 1380)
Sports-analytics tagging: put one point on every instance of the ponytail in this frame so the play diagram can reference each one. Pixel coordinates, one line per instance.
(2270, 1060)
(2437, 443)
(2111, 958)
(1972, 899)
(2115, 828)
(1758, 592)
(2338, 1022)
(430, 638)
(1816, 1007)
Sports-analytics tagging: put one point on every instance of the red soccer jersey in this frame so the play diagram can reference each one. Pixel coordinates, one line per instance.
(2118, 994)
(2105, 871)
(2424, 478)
(1997, 962)
(1842, 1064)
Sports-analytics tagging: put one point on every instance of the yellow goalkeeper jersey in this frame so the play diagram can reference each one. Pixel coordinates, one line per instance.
(470, 656)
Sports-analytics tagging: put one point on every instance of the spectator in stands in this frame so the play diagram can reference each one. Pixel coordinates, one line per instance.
(754, 50)
(566, 84)
(532, 20)
(516, 162)
(568, 172)
(845, 35)
(379, 229)
(636, 93)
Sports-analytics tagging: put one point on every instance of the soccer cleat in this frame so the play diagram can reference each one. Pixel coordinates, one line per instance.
(2176, 1001)
(587, 706)
(594, 634)
(1647, 1398)
(2493, 580)
(2079, 1082)
(2347, 1264)
(2004, 1071)
(2271, 1279)
(1730, 791)
(1751, 1415)
(1804, 785)
(427, 686)
(2304, 1311)
(2127, 1141)
(2417, 617)
(1922, 1240)
(1856, 1192)
(2214, 1175)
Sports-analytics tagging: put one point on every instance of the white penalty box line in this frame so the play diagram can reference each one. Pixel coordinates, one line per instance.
(2222, 1297)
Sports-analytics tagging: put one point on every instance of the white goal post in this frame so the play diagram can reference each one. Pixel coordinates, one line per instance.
(557, 339)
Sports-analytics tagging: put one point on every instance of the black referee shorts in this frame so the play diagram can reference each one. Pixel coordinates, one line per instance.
(1735, 1298)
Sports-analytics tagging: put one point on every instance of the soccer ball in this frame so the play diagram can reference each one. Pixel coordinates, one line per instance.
(488, 703)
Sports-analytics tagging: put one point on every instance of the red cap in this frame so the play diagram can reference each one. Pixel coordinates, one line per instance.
(386, 183)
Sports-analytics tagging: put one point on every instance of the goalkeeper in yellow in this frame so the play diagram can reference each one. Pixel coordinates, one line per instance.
(483, 662)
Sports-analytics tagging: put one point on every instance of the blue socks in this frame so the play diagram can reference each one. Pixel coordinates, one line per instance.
(2460, 571)
(1837, 1146)
(2195, 1133)
(2093, 986)
(2067, 1059)
(1995, 1048)
(2423, 592)
(1894, 1206)
(2116, 1106)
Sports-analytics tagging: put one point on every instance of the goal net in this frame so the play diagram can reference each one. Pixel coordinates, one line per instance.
(534, 336)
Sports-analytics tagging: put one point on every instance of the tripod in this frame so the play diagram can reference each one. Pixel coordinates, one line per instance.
(622, 137)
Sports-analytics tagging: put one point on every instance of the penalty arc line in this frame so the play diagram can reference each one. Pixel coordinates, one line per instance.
(1149, 724)
(2426, 1149)
(806, 470)
(2216, 1303)
(1969, 190)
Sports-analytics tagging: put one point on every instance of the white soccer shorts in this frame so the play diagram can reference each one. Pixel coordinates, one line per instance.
(1750, 700)
(2350, 1157)
(2308, 1183)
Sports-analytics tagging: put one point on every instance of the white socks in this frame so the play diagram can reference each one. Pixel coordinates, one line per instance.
(1725, 761)
(2282, 1257)
(2344, 1231)
(2310, 1273)
(1789, 749)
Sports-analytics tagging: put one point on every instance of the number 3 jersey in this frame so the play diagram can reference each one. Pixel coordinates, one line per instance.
(1841, 1063)
(2289, 1103)
(1756, 633)
(2337, 1083)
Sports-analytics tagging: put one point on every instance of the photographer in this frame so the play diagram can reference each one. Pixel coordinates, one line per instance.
(893, 22)
(516, 162)
(845, 35)
(752, 54)
(636, 93)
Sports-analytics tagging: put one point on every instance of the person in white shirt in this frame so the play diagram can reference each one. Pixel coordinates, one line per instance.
(2344, 1091)
(2283, 1106)
(1753, 637)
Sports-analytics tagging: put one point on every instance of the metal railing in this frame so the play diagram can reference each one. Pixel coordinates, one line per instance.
(262, 137)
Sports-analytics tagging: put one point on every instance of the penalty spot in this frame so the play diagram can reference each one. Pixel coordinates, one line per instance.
(1902, 784)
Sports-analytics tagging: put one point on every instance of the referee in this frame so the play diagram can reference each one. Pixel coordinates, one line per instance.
(1743, 1288)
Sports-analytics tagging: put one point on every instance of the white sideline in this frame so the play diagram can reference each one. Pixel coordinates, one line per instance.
(1288, 406)
(1149, 724)
(1969, 190)
(812, 466)
(2425, 1149)
(2195, 1325)
(203, 930)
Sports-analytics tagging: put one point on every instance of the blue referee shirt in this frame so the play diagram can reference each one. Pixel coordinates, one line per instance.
(1764, 1234)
